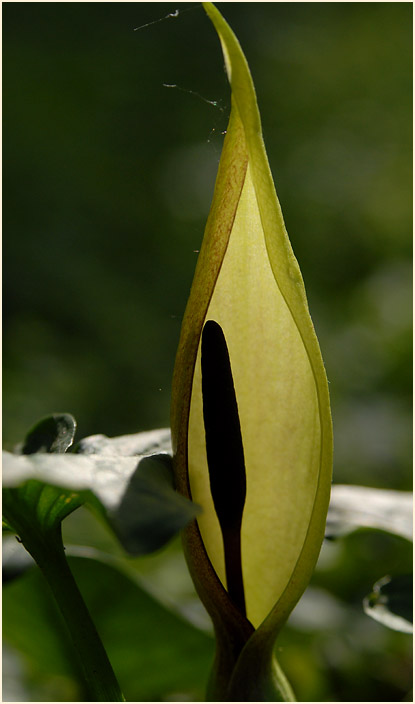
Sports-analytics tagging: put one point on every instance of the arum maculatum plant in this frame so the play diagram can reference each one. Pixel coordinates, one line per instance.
(251, 424)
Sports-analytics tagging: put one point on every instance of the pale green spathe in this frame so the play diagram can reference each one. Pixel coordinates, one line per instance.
(249, 282)
(278, 411)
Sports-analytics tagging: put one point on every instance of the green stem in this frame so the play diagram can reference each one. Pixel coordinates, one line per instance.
(257, 676)
(100, 680)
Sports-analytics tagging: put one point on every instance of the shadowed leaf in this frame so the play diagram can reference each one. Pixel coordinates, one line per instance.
(132, 621)
(52, 434)
(391, 603)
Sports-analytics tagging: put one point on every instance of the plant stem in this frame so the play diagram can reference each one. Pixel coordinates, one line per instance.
(257, 676)
(100, 680)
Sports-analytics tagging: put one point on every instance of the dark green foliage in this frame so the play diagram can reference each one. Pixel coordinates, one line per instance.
(153, 652)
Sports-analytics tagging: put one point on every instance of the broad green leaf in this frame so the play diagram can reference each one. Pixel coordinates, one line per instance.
(156, 655)
(247, 280)
(34, 508)
(354, 507)
(391, 603)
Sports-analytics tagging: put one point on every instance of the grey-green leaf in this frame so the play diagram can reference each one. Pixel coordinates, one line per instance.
(391, 603)
(146, 443)
(55, 433)
(34, 508)
(134, 494)
(353, 507)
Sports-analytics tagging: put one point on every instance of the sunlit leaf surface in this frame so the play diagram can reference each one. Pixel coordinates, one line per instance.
(353, 507)
(134, 493)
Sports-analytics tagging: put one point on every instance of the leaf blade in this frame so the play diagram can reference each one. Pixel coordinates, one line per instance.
(135, 495)
(354, 507)
(391, 603)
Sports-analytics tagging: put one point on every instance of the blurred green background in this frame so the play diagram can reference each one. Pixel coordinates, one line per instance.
(108, 178)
